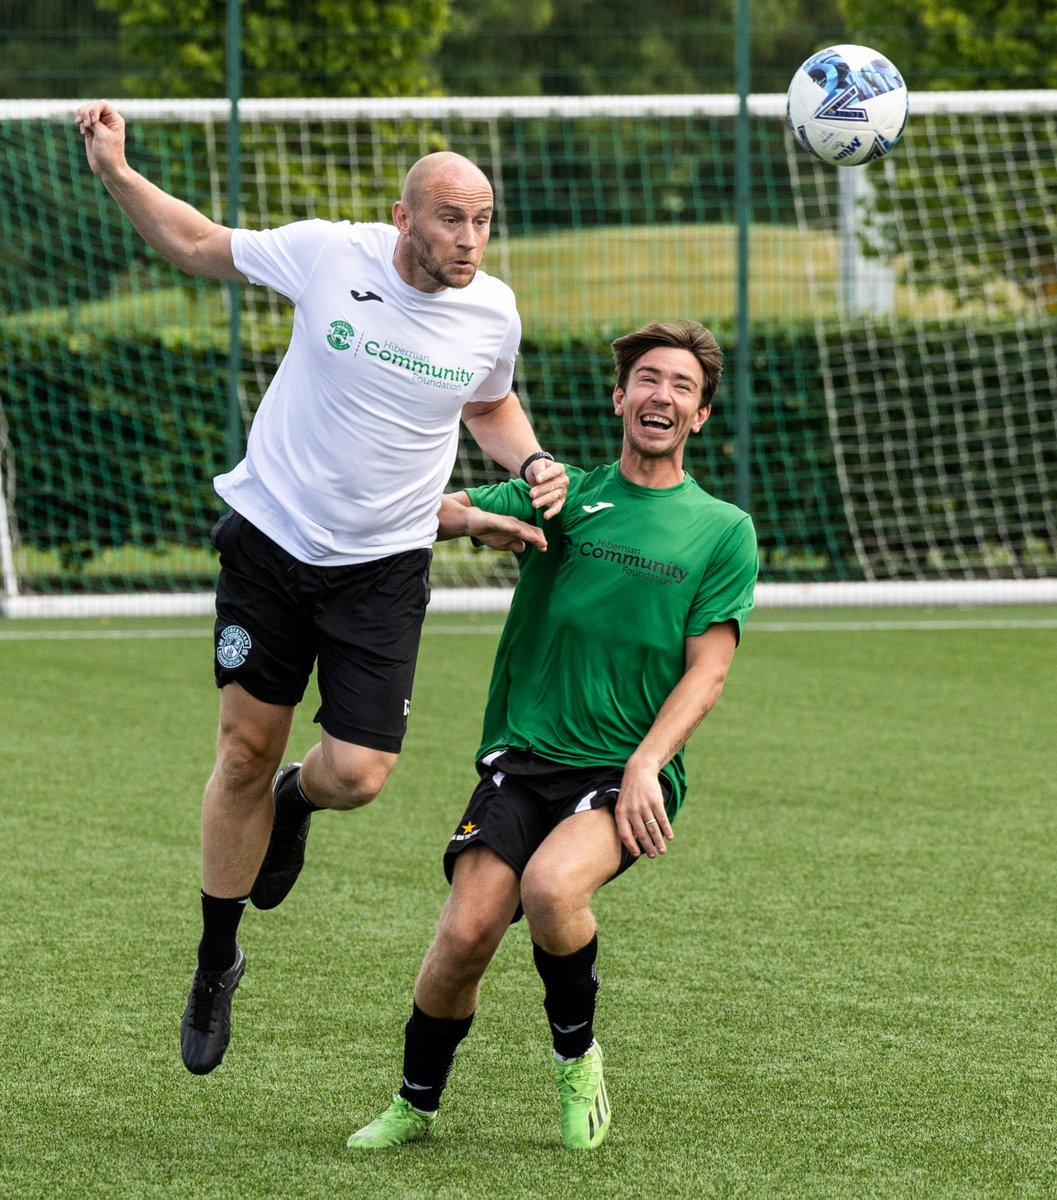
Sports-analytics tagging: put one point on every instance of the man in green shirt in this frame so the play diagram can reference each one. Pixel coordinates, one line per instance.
(617, 645)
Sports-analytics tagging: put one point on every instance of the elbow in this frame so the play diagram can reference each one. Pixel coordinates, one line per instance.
(183, 255)
(207, 255)
(711, 691)
(183, 261)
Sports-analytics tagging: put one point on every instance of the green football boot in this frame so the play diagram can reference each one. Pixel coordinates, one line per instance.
(585, 1105)
(399, 1124)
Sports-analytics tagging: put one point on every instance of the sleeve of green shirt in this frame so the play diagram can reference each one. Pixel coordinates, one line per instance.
(511, 499)
(726, 591)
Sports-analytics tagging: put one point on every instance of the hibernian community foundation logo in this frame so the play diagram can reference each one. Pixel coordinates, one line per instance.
(342, 336)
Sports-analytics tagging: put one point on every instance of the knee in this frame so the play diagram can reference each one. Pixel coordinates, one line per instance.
(544, 897)
(357, 781)
(467, 950)
(246, 760)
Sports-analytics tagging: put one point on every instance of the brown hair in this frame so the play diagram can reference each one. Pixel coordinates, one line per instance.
(681, 335)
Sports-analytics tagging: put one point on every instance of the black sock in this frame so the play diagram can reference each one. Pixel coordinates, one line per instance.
(570, 983)
(291, 803)
(429, 1050)
(220, 922)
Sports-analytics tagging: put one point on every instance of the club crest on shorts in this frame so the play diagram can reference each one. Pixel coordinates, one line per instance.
(233, 646)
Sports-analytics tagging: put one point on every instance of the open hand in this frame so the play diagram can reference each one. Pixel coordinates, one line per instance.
(503, 533)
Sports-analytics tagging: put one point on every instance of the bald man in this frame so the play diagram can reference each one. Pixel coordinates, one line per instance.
(326, 542)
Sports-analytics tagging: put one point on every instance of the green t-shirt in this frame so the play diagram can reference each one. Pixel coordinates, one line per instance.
(595, 639)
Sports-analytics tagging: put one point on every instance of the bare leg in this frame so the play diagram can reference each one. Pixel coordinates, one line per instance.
(341, 775)
(561, 878)
(237, 805)
(478, 911)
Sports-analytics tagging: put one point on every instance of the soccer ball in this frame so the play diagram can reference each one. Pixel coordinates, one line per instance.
(847, 105)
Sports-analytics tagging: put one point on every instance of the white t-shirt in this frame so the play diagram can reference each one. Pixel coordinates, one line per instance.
(356, 436)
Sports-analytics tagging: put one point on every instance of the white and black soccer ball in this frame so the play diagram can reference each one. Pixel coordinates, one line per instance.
(847, 105)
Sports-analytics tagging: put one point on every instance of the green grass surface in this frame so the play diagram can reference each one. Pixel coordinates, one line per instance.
(839, 983)
(615, 277)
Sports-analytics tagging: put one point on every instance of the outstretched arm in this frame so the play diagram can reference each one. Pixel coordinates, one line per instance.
(180, 233)
(458, 518)
(708, 658)
(503, 432)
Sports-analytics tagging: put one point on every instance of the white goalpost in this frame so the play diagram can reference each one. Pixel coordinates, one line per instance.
(7, 556)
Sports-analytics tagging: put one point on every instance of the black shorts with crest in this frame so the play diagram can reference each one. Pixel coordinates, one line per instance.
(358, 625)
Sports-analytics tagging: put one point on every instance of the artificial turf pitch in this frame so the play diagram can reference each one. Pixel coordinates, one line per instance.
(840, 982)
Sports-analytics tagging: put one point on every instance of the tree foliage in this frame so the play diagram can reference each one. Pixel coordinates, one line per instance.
(384, 47)
(56, 48)
(622, 47)
(289, 48)
(970, 45)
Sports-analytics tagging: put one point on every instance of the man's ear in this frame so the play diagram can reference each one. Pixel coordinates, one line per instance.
(700, 417)
(400, 216)
(618, 401)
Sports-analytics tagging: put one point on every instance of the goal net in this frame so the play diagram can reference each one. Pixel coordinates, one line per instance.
(901, 344)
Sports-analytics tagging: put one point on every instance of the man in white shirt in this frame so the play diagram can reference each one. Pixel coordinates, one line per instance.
(324, 556)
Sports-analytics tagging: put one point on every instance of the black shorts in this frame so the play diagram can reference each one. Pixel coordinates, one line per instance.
(276, 616)
(521, 797)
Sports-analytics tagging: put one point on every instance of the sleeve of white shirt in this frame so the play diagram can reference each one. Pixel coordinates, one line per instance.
(498, 382)
(282, 258)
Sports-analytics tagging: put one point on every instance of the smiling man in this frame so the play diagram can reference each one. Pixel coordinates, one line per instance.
(618, 643)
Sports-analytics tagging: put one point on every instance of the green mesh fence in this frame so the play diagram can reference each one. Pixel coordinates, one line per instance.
(902, 350)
